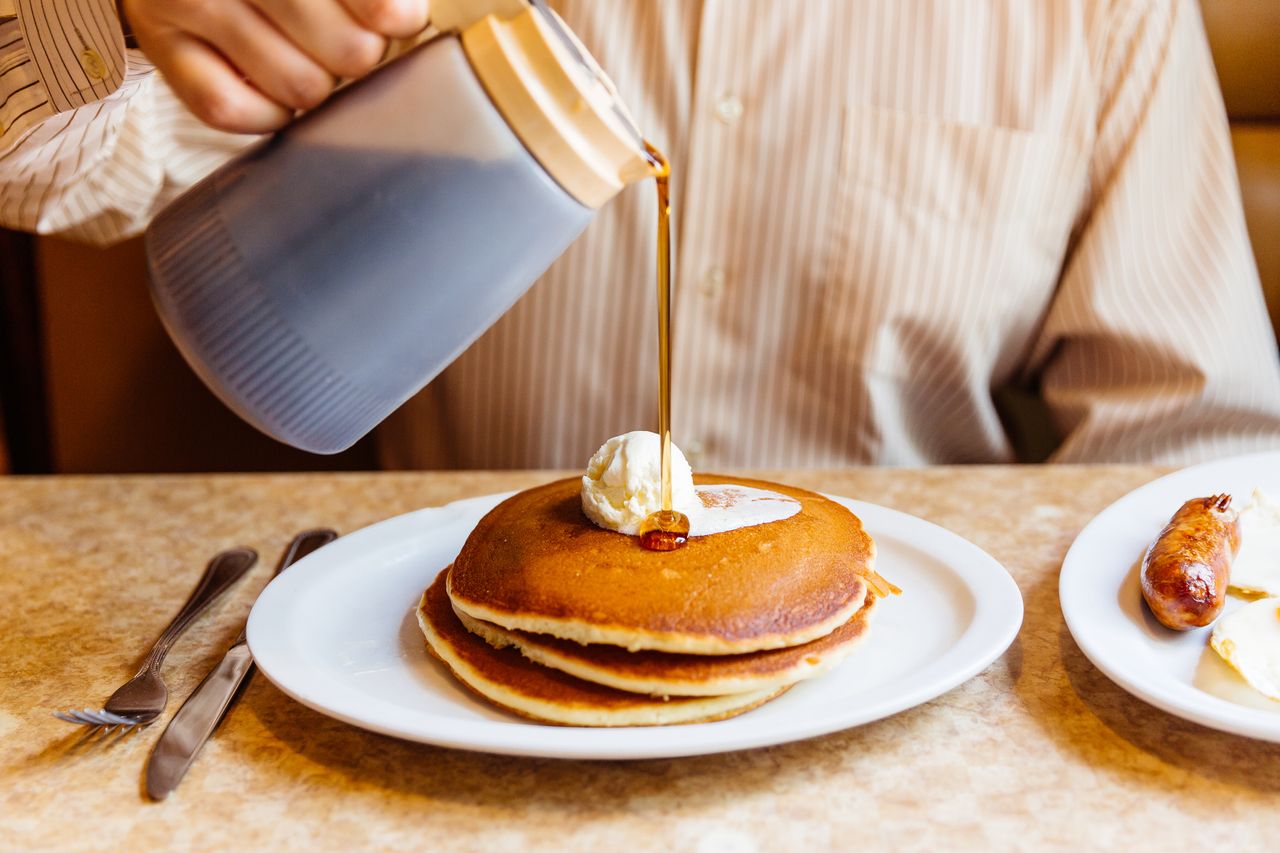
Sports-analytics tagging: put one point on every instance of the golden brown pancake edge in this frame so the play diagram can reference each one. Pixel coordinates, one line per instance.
(505, 678)
(670, 674)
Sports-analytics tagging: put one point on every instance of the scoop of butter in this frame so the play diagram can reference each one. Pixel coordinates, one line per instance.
(1256, 568)
(623, 483)
(1249, 640)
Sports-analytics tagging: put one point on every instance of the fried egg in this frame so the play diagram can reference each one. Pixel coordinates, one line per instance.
(1249, 640)
(1256, 568)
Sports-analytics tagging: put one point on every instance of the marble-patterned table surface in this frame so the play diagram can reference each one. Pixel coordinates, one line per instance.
(1040, 750)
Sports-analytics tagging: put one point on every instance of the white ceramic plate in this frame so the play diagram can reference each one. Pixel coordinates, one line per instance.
(1102, 603)
(337, 632)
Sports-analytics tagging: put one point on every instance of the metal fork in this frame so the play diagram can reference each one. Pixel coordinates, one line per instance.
(141, 699)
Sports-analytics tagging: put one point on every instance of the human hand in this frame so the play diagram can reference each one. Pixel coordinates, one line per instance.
(247, 65)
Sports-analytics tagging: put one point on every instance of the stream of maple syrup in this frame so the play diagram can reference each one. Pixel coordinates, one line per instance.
(666, 529)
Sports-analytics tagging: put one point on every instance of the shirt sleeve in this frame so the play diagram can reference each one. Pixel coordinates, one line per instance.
(91, 162)
(55, 55)
(1157, 345)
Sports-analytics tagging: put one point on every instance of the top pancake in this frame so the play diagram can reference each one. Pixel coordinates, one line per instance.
(536, 563)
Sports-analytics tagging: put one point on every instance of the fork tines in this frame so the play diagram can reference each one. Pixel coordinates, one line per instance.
(87, 717)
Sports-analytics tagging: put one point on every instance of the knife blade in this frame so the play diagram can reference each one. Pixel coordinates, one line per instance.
(199, 716)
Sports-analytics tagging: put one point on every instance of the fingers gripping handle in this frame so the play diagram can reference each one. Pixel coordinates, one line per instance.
(457, 15)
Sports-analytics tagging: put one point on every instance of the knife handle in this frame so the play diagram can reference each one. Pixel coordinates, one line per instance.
(204, 709)
(304, 544)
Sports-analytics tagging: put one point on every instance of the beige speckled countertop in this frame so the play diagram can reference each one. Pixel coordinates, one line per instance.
(1039, 750)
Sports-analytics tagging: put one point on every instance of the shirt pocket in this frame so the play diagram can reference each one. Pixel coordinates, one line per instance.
(945, 243)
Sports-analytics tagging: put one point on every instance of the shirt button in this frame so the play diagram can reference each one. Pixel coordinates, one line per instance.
(712, 284)
(729, 108)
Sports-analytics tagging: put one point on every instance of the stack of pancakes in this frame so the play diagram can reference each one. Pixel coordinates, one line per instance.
(551, 617)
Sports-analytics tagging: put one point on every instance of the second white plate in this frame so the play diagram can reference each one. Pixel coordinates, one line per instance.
(1102, 603)
(337, 632)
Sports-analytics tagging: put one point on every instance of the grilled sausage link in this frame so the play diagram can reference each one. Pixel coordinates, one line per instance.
(1185, 571)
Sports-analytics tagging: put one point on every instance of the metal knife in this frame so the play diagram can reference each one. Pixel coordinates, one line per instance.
(208, 704)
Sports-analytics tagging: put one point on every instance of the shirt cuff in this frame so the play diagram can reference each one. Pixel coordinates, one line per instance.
(55, 56)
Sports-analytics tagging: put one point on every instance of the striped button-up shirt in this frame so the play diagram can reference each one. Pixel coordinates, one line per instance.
(906, 233)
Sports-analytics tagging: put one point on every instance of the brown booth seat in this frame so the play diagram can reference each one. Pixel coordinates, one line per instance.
(1245, 37)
